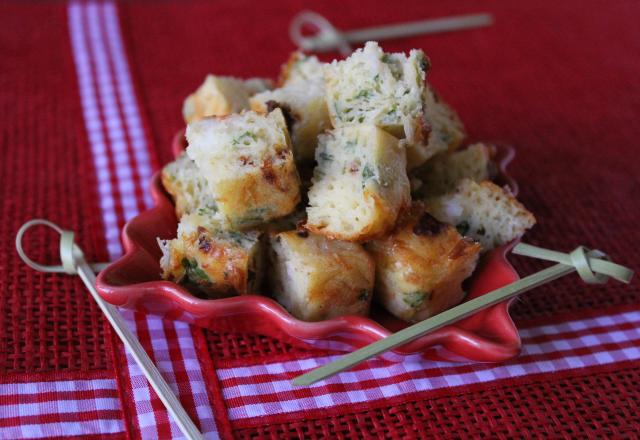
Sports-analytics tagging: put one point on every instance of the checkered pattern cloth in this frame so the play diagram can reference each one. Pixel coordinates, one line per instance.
(231, 385)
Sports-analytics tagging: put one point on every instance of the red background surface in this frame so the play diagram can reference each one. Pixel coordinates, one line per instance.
(558, 80)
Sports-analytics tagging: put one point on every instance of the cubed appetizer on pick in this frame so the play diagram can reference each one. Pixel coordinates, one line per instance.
(359, 185)
(221, 95)
(442, 173)
(188, 188)
(421, 265)
(315, 278)
(301, 96)
(247, 161)
(483, 211)
(213, 262)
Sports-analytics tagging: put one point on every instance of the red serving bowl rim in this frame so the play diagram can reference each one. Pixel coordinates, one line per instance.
(498, 340)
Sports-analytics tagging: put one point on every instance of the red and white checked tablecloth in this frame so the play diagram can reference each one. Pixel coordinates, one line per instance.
(91, 94)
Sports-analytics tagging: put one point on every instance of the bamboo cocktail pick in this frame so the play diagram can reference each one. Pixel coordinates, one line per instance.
(592, 266)
(329, 38)
(73, 263)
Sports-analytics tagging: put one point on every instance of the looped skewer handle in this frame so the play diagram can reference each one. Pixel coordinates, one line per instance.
(73, 263)
(329, 38)
(592, 266)
(69, 251)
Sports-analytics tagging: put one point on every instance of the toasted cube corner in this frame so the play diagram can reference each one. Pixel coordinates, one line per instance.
(421, 265)
(213, 262)
(315, 278)
(301, 68)
(248, 164)
(484, 211)
(221, 95)
(360, 184)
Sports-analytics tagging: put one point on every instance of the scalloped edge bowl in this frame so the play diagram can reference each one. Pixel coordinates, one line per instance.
(133, 281)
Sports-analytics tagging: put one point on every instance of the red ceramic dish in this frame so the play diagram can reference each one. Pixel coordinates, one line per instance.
(134, 281)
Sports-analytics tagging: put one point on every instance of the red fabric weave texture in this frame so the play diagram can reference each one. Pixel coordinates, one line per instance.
(47, 322)
(559, 81)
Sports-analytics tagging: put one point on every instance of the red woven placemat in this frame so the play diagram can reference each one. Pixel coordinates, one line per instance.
(47, 322)
(558, 81)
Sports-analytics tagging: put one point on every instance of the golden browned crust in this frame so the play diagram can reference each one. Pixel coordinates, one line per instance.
(384, 223)
(340, 276)
(275, 188)
(216, 268)
(340, 279)
(287, 67)
(174, 188)
(421, 265)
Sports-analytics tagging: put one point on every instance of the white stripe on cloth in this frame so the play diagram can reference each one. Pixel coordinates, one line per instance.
(62, 429)
(132, 114)
(46, 401)
(61, 386)
(110, 106)
(265, 389)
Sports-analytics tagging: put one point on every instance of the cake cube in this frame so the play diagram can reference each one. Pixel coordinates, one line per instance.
(221, 95)
(188, 188)
(315, 278)
(248, 164)
(301, 68)
(374, 87)
(213, 262)
(302, 100)
(421, 265)
(483, 211)
(441, 130)
(384, 89)
(360, 184)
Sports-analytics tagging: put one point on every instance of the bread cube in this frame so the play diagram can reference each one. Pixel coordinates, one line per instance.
(301, 68)
(221, 95)
(315, 278)
(374, 87)
(302, 100)
(248, 164)
(360, 184)
(212, 262)
(483, 211)
(441, 174)
(421, 265)
(188, 188)
(305, 108)
(441, 130)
